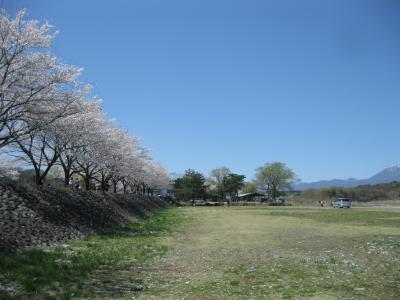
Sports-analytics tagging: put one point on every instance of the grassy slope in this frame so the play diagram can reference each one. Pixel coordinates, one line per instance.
(88, 267)
(225, 253)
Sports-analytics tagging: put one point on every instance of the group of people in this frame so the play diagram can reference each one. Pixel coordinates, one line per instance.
(75, 184)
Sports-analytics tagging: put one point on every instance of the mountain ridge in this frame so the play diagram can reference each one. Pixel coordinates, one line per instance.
(387, 175)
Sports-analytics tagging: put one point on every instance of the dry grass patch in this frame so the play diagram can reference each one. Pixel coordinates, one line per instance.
(289, 253)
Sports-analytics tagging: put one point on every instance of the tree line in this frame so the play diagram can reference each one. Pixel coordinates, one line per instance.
(47, 117)
(273, 179)
(362, 193)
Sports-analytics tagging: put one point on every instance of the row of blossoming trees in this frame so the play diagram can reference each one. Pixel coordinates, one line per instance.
(46, 118)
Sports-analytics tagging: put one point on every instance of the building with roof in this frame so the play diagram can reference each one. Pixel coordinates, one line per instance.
(252, 197)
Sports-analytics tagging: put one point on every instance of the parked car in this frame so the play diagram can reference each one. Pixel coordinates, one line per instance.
(199, 202)
(341, 203)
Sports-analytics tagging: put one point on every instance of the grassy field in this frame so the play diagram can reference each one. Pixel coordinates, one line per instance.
(223, 253)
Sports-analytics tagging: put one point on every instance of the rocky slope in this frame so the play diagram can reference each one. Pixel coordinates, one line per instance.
(31, 217)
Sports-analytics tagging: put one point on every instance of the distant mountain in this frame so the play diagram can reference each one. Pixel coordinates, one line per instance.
(351, 182)
(385, 176)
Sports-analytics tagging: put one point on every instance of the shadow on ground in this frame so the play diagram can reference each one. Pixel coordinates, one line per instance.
(106, 265)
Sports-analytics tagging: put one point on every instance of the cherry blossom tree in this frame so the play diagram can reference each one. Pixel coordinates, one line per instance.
(30, 76)
(46, 118)
(42, 146)
(79, 132)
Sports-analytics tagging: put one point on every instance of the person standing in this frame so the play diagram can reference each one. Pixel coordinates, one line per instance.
(77, 184)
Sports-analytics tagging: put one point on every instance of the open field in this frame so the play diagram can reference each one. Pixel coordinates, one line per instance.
(381, 203)
(371, 204)
(223, 253)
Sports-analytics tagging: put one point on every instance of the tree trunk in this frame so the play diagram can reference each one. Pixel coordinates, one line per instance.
(87, 183)
(104, 183)
(38, 178)
(66, 180)
(67, 166)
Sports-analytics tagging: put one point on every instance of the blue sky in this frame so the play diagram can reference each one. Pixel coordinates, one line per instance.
(314, 84)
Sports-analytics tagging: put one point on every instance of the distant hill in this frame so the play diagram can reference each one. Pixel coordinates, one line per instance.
(387, 175)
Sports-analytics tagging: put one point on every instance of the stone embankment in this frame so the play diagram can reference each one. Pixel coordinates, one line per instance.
(31, 217)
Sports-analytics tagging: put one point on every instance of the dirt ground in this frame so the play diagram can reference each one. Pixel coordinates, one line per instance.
(239, 252)
(272, 253)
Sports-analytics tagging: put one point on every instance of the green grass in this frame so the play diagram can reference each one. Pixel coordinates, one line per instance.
(60, 273)
(344, 216)
(224, 253)
(281, 253)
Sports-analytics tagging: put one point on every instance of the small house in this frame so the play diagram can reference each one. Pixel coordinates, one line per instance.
(252, 197)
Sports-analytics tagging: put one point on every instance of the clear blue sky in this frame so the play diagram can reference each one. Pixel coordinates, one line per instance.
(314, 84)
